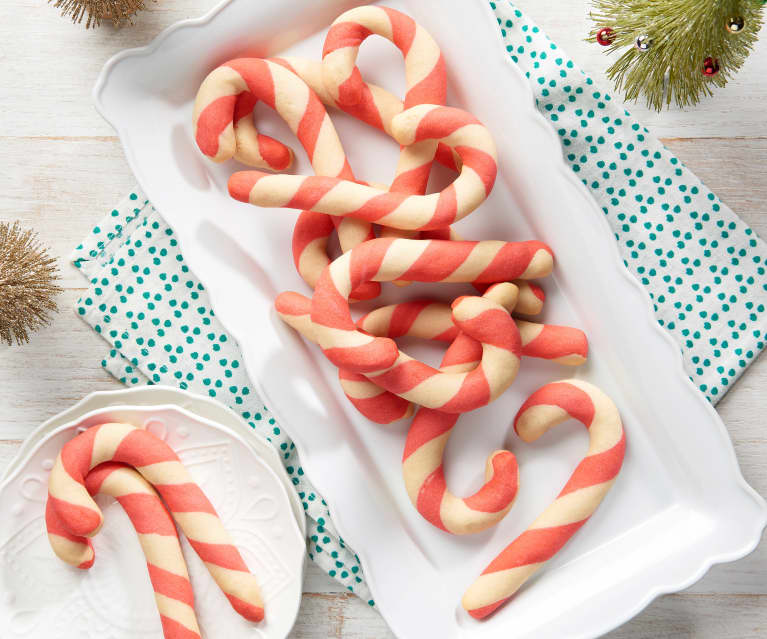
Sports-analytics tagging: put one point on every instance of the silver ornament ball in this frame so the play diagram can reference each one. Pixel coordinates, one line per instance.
(735, 25)
(643, 42)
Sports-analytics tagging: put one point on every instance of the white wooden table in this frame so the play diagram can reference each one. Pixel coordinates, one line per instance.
(62, 167)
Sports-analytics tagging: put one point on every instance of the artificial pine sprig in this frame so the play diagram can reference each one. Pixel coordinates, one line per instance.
(28, 286)
(691, 49)
(118, 11)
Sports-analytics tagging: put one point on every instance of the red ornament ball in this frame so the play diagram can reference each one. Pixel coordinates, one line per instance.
(605, 36)
(710, 67)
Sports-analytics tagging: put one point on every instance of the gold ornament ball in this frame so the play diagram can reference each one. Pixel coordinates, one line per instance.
(643, 42)
(735, 25)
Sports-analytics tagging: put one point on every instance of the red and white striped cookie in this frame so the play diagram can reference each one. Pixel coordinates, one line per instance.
(419, 260)
(530, 296)
(424, 64)
(160, 466)
(346, 198)
(377, 107)
(434, 320)
(158, 538)
(283, 91)
(424, 72)
(577, 501)
(424, 475)
(422, 460)
(374, 402)
(251, 147)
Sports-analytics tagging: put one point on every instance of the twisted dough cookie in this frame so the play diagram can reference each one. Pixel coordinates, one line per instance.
(577, 501)
(158, 538)
(414, 319)
(424, 72)
(422, 467)
(376, 107)
(433, 320)
(419, 260)
(343, 197)
(251, 147)
(302, 110)
(424, 64)
(374, 402)
(157, 463)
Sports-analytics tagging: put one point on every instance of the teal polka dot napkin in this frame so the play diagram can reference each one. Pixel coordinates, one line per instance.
(703, 268)
(160, 328)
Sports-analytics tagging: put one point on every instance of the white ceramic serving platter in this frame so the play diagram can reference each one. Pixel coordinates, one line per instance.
(45, 597)
(680, 503)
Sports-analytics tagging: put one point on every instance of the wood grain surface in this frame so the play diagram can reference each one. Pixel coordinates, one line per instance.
(63, 167)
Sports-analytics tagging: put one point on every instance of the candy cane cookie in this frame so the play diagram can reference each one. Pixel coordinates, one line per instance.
(577, 501)
(425, 75)
(377, 108)
(160, 466)
(433, 320)
(458, 392)
(343, 197)
(424, 64)
(422, 466)
(530, 296)
(419, 260)
(374, 402)
(424, 476)
(251, 147)
(299, 106)
(158, 538)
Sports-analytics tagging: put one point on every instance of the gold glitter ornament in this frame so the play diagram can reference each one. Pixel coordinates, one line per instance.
(28, 277)
(116, 11)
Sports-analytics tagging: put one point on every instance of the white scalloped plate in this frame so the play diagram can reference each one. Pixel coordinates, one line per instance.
(44, 596)
(158, 396)
(680, 503)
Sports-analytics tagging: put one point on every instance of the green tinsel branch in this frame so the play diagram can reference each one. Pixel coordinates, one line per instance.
(684, 33)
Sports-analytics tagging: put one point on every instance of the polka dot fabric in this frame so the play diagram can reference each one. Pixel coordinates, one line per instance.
(703, 268)
(160, 328)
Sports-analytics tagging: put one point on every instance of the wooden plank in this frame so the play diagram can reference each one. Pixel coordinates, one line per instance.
(670, 617)
(56, 369)
(698, 617)
(735, 169)
(61, 189)
(48, 79)
(317, 580)
(342, 615)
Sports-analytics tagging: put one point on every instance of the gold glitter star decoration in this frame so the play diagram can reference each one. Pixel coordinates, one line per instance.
(28, 277)
(118, 11)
